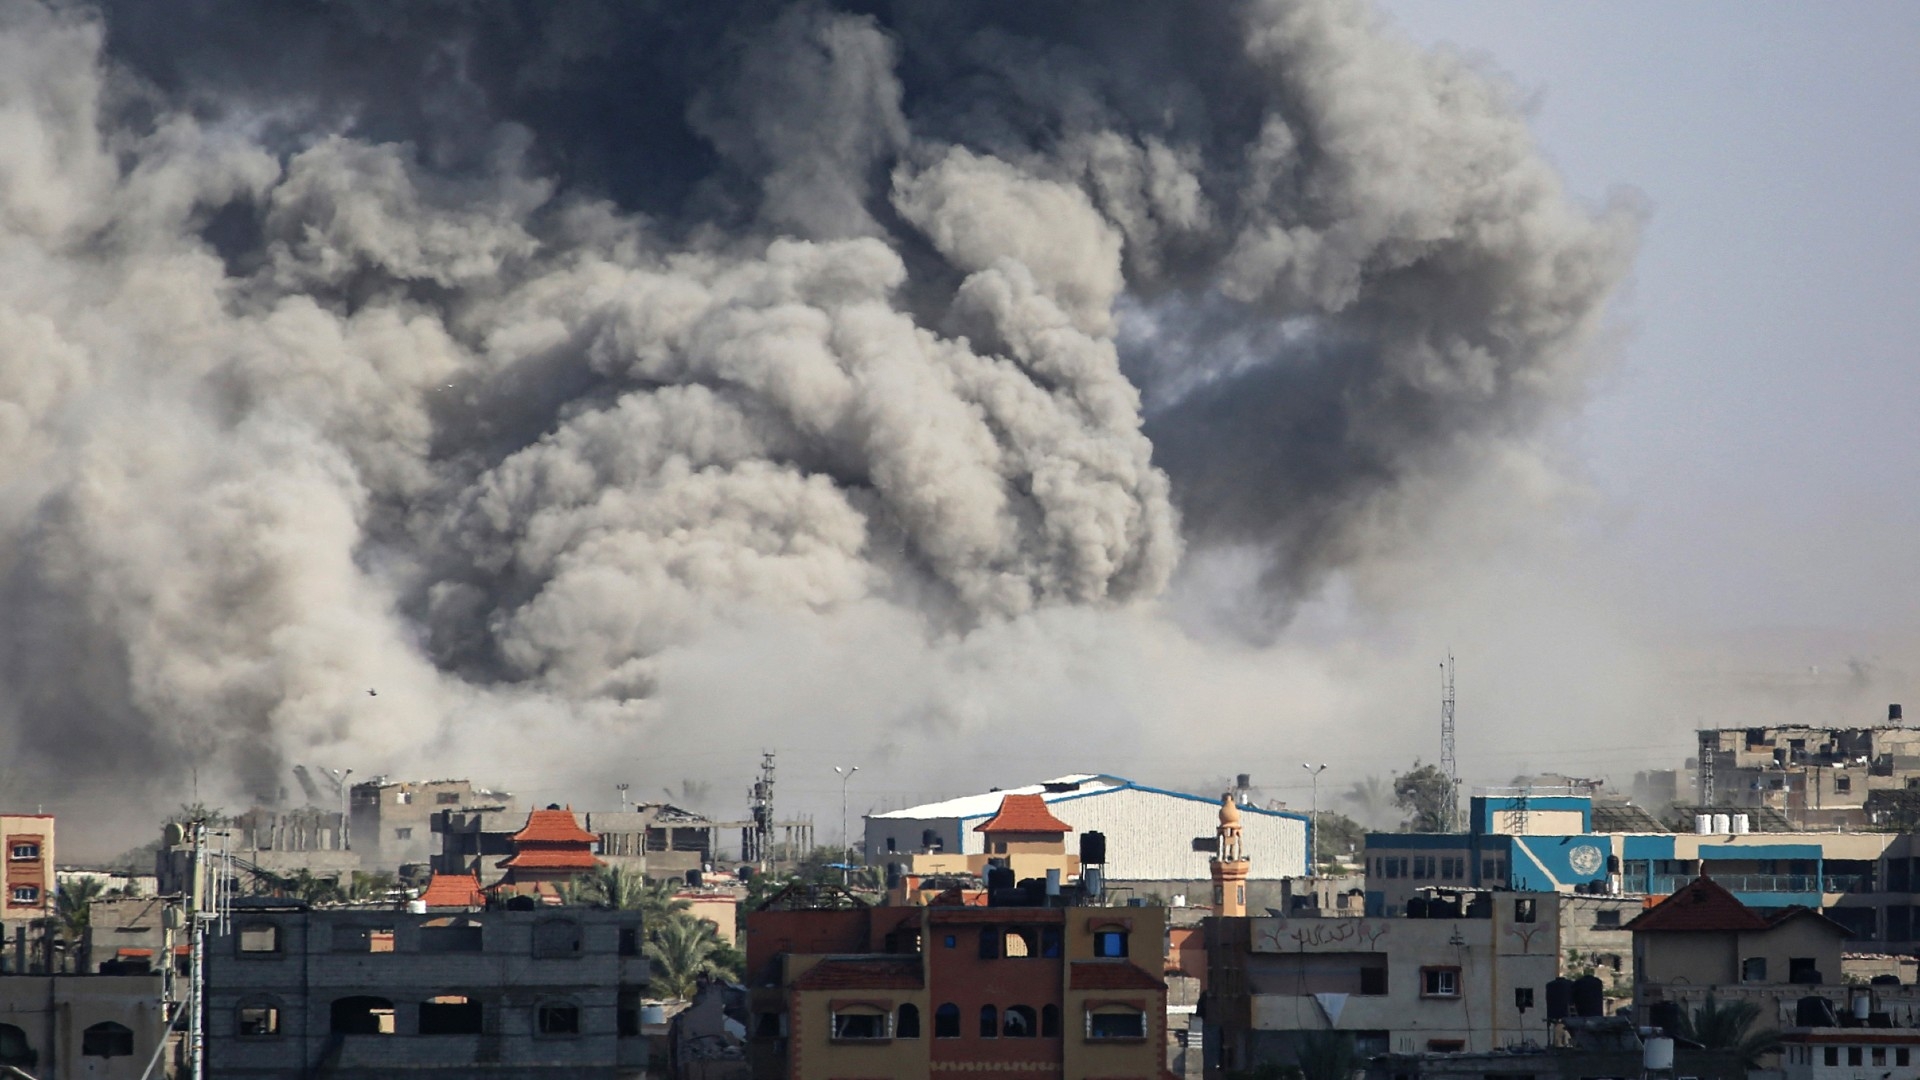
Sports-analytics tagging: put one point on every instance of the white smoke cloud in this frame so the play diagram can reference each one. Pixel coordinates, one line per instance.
(319, 380)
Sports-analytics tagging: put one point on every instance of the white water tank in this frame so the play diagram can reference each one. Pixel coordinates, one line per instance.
(1658, 1055)
(1722, 823)
(416, 907)
(1862, 1006)
(1742, 824)
(1702, 824)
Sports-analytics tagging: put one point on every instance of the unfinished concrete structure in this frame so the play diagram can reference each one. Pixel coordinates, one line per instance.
(658, 839)
(392, 821)
(56, 1027)
(365, 994)
(1819, 777)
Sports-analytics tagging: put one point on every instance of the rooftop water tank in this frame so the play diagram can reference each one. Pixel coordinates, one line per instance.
(1658, 1055)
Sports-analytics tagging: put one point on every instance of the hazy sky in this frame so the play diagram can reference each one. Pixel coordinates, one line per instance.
(1759, 438)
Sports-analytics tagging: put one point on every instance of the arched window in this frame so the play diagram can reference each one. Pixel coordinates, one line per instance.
(1019, 1022)
(556, 939)
(859, 1022)
(989, 1022)
(1049, 1021)
(362, 1015)
(257, 1018)
(946, 1021)
(1021, 943)
(450, 1014)
(107, 1040)
(908, 1026)
(15, 1050)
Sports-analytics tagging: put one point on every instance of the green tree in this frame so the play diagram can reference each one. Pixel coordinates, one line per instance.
(73, 913)
(682, 950)
(1338, 836)
(1730, 1027)
(1426, 795)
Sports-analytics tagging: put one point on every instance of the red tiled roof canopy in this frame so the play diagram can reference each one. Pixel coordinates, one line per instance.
(861, 974)
(1111, 975)
(1699, 905)
(453, 890)
(553, 827)
(1023, 813)
(549, 859)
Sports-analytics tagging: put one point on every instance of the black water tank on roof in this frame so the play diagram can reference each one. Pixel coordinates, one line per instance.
(1589, 996)
(1093, 848)
(1667, 1016)
(1814, 1011)
(695, 879)
(1417, 907)
(1559, 998)
(999, 877)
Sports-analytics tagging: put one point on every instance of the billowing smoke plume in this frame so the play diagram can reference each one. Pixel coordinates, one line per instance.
(491, 356)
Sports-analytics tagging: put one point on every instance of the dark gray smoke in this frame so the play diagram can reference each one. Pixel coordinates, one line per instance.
(492, 355)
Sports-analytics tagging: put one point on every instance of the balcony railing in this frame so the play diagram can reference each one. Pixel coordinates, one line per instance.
(1765, 883)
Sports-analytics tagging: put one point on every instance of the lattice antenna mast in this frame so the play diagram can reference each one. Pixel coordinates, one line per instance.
(1449, 764)
(760, 804)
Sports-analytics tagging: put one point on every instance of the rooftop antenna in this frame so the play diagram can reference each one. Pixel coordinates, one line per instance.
(1449, 764)
(760, 808)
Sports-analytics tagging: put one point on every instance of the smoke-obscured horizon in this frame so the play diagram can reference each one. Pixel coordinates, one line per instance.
(616, 389)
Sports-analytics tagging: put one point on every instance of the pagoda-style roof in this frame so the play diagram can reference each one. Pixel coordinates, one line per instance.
(1023, 814)
(453, 891)
(553, 826)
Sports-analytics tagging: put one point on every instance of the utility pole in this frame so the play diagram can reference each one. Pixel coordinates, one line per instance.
(1448, 763)
(1313, 819)
(622, 789)
(846, 836)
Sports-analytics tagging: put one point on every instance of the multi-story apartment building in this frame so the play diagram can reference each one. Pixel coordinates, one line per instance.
(450, 992)
(1818, 777)
(915, 992)
(27, 881)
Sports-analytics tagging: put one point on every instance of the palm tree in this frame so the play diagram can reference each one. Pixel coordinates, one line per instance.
(73, 912)
(1372, 800)
(621, 889)
(682, 951)
(1730, 1028)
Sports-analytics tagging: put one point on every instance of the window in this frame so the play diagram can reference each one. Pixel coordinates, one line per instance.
(1021, 943)
(1802, 969)
(404, 798)
(1853, 1055)
(450, 1014)
(1523, 998)
(260, 938)
(447, 798)
(1446, 1046)
(557, 1018)
(1020, 1022)
(1422, 867)
(1049, 1021)
(107, 1040)
(1902, 1056)
(630, 941)
(950, 941)
(1753, 969)
(908, 1026)
(26, 894)
(556, 939)
(989, 1022)
(1392, 867)
(627, 1014)
(450, 934)
(1110, 943)
(1373, 981)
(361, 1015)
(1606, 917)
(403, 834)
(363, 939)
(1050, 941)
(1879, 1056)
(892, 846)
(1116, 1022)
(1833, 1056)
(1440, 982)
(14, 1048)
(26, 852)
(1843, 783)
(989, 943)
(946, 1021)
(1523, 911)
(859, 1022)
(257, 1020)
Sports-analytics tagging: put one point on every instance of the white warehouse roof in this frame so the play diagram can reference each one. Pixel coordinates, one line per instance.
(1149, 830)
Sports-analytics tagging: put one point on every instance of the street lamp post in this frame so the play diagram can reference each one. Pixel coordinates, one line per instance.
(1313, 818)
(846, 836)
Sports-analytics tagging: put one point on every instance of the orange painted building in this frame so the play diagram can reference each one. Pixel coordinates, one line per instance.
(948, 991)
(27, 883)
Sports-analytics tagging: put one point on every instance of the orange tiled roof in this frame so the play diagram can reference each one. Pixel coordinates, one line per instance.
(887, 973)
(549, 859)
(1023, 813)
(453, 890)
(1111, 975)
(1699, 905)
(553, 827)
